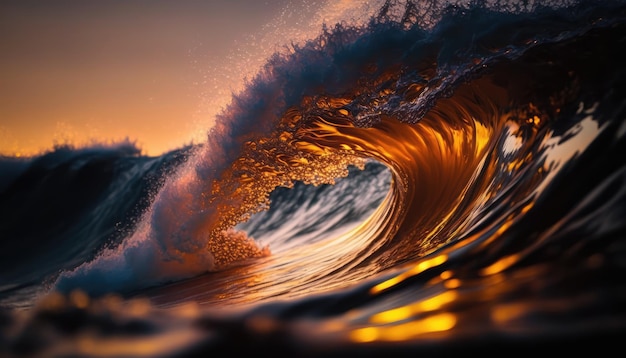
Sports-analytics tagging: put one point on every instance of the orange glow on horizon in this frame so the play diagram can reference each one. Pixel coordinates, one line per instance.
(95, 73)
(150, 144)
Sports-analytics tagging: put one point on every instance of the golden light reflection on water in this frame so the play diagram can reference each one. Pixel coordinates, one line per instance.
(500, 265)
(414, 309)
(415, 270)
(405, 331)
(93, 346)
(503, 313)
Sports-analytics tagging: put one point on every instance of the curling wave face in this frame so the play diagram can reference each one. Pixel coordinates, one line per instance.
(439, 174)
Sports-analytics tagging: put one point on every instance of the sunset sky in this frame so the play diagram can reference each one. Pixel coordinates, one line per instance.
(154, 71)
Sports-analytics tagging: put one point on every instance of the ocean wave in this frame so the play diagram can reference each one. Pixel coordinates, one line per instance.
(439, 174)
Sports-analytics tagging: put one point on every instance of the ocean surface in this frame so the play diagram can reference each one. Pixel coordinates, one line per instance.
(440, 179)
